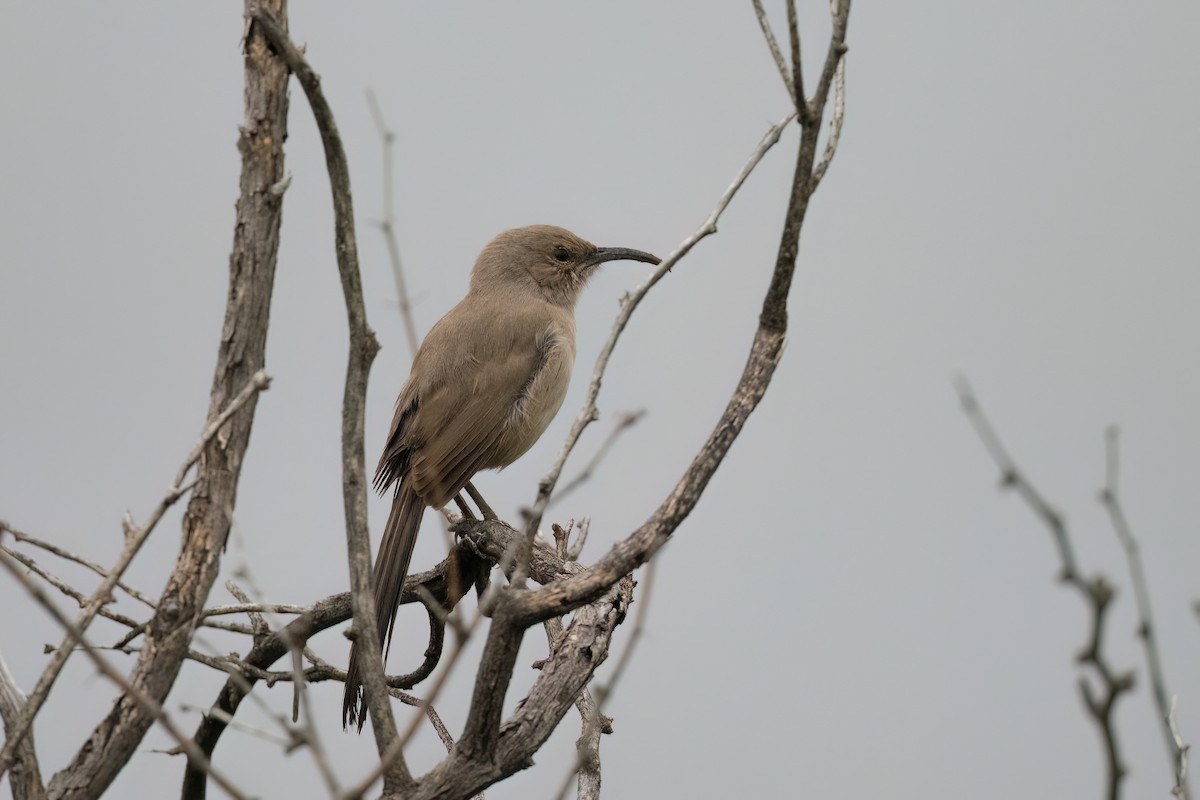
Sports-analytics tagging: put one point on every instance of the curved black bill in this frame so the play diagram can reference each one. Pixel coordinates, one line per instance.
(603, 254)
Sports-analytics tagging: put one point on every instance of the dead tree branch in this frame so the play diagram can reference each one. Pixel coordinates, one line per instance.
(24, 776)
(443, 586)
(629, 303)
(1095, 591)
(1111, 500)
(67, 555)
(488, 750)
(624, 422)
(135, 537)
(784, 72)
(387, 224)
(363, 348)
(207, 519)
(148, 704)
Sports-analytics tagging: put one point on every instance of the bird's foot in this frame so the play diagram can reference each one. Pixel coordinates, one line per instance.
(484, 508)
(463, 508)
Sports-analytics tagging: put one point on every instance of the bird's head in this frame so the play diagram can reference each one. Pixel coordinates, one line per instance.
(545, 259)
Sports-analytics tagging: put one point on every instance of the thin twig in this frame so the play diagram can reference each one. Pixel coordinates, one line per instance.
(253, 609)
(23, 537)
(838, 118)
(447, 582)
(311, 736)
(133, 543)
(76, 637)
(25, 777)
(575, 550)
(776, 54)
(629, 304)
(797, 93)
(625, 421)
(1110, 499)
(1182, 769)
(387, 223)
(1011, 478)
(251, 730)
(357, 791)
(587, 746)
(76, 595)
(481, 748)
(258, 623)
(232, 627)
(1095, 591)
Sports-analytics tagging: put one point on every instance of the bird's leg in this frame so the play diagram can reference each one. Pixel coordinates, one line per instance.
(463, 507)
(484, 508)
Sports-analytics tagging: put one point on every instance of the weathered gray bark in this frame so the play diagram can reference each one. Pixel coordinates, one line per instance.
(241, 354)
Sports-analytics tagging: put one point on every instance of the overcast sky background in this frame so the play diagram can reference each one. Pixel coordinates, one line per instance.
(854, 610)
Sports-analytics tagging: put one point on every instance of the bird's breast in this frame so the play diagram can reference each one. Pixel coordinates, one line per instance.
(542, 396)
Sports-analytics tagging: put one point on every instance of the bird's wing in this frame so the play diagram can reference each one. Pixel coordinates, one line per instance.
(448, 422)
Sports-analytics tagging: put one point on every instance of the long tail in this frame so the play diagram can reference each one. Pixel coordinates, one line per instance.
(391, 567)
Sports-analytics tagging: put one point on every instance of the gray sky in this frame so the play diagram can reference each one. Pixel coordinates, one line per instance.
(854, 610)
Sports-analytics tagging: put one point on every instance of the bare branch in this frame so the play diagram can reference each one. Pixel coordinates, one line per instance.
(25, 538)
(797, 92)
(135, 538)
(629, 304)
(76, 595)
(838, 118)
(149, 704)
(575, 550)
(258, 623)
(1096, 592)
(241, 356)
(587, 764)
(625, 421)
(363, 348)
(434, 719)
(604, 693)
(840, 10)
(253, 609)
(776, 54)
(25, 777)
(1012, 478)
(311, 736)
(1182, 769)
(482, 742)
(446, 584)
(1110, 499)
(387, 224)
(506, 558)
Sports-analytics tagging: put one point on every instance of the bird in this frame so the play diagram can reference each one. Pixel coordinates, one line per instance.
(483, 387)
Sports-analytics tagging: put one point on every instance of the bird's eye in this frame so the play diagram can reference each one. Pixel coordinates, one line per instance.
(562, 254)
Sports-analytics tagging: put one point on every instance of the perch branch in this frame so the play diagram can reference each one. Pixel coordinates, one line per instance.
(480, 755)
(445, 584)
(629, 304)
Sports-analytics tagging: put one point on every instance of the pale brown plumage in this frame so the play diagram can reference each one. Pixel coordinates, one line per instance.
(484, 385)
